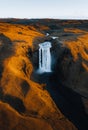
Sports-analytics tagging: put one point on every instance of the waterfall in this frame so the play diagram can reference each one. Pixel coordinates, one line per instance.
(45, 57)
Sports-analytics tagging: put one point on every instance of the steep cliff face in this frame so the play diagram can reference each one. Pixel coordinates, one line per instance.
(22, 99)
(73, 62)
(71, 73)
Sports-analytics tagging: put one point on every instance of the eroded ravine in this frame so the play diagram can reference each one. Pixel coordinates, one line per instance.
(23, 92)
(22, 97)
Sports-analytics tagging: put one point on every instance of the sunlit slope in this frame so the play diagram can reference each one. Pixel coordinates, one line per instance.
(19, 33)
(78, 46)
(12, 120)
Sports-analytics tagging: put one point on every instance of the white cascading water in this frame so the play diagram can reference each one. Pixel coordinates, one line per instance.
(44, 57)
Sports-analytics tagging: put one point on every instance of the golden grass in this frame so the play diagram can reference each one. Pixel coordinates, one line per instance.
(79, 47)
(85, 66)
(10, 119)
(74, 30)
(19, 33)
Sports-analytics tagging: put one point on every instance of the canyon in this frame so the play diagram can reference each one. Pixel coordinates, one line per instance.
(43, 74)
